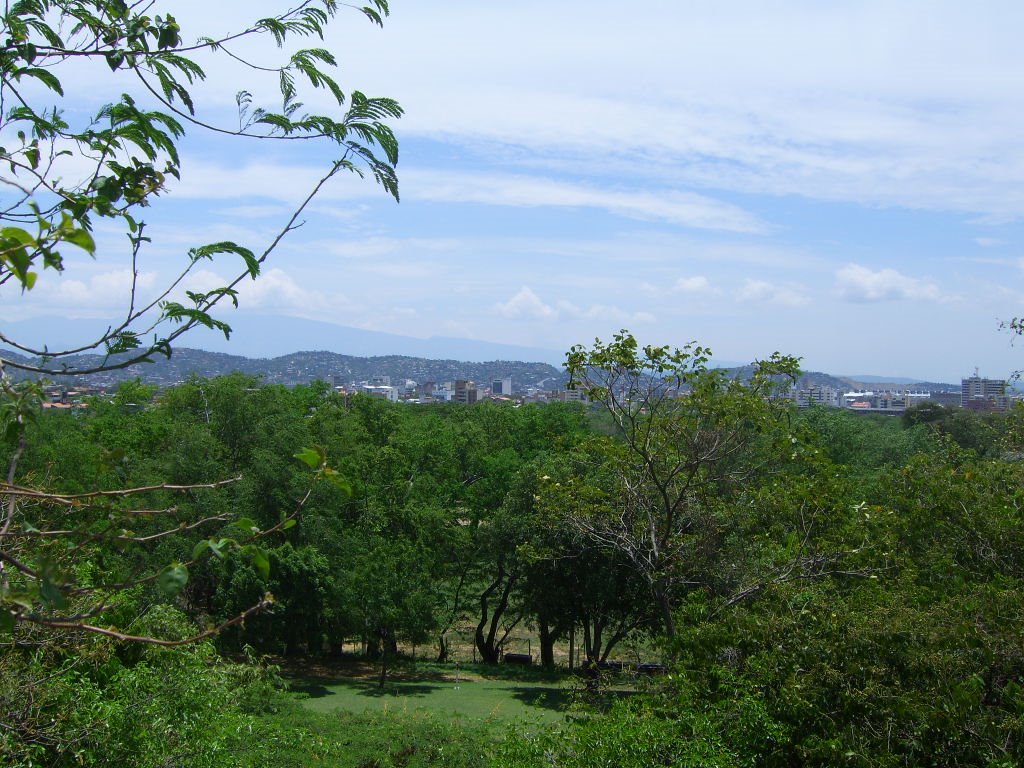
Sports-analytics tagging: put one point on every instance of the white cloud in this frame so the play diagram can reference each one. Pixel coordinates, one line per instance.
(859, 284)
(858, 102)
(695, 284)
(769, 293)
(289, 184)
(526, 304)
(668, 205)
(605, 313)
(377, 246)
(95, 296)
(276, 289)
(842, 101)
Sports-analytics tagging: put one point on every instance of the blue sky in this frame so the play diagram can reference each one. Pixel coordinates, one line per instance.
(839, 181)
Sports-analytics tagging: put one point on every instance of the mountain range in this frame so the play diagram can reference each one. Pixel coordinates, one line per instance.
(267, 336)
(265, 346)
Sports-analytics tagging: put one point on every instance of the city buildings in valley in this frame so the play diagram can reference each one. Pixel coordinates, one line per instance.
(978, 394)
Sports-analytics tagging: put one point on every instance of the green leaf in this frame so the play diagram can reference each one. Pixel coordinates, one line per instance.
(373, 16)
(216, 548)
(246, 525)
(259, 560)
(123, 342)
(6, 621)
(334, 478)
(82, 239)
(172, 579)
(18, 235)
(45, 76)
(51, 594)
(311, 457)
(252, 264)
(289, 523)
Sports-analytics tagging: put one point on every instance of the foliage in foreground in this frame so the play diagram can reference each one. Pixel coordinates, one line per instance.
(100, 703)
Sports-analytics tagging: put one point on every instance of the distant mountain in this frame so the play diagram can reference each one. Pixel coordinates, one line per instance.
(898, 382)
(265, 346)
(867, 379)
(809, 379)
(264, 336)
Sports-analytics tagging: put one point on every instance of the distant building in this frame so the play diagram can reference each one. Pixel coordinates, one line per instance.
(465, 392)
(385, 393)
(502, 386)
(885, 402)
(978, 394)
(572, 396)
(827, 396)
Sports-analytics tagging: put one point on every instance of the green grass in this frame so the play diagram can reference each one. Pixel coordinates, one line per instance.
(494, 695)
(337, 717)
(295, 737)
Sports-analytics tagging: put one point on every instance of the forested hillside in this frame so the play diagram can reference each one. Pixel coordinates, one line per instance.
(303, 368)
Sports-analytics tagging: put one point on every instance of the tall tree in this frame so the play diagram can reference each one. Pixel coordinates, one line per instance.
(686, 437)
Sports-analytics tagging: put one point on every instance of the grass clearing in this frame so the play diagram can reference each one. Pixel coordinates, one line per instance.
(498, 696)
(426, 715)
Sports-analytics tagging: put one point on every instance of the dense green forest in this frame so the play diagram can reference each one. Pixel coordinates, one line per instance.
(832, 588)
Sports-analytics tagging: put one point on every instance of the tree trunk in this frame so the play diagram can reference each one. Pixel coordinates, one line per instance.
(547, 643)
(488, 644)
(665, 606)
(442, 649)
(383, 664)
(371, 647)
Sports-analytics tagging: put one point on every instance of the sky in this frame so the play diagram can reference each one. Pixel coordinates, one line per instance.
(839, 181)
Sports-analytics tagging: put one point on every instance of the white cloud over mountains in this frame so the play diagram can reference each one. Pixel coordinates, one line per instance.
(527, 305)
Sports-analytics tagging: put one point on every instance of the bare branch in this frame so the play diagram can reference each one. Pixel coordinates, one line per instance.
(76, 626)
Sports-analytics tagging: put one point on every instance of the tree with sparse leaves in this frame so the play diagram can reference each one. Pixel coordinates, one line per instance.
(686, 437)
